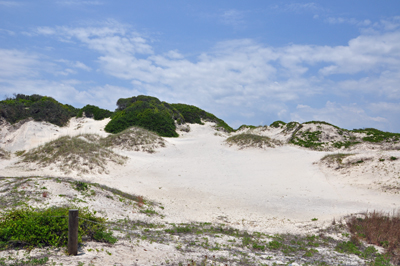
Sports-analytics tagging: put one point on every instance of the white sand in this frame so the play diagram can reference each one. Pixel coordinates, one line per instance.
(199, 178)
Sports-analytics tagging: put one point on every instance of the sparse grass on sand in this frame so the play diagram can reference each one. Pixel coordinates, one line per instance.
(246, 140)
(336, 157)
(134, 138)
(81, 153)
(194, 243)
(4, 154)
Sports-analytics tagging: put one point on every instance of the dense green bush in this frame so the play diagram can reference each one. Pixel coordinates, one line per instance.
(40, 108)
(94, 112)
(194, 115)
(147, 112)
(49, 227)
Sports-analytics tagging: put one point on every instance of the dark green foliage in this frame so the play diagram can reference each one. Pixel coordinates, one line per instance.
(194, 115)
(95, 112)
(277, 124)
(308, 139)
(375, 135)
(393, 158)
(31, 228)
(147, 112)
(40, 108)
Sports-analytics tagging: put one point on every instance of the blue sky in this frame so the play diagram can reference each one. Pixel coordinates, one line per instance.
(248, 62)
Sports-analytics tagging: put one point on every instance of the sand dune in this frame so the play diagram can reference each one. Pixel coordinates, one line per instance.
(201, 178)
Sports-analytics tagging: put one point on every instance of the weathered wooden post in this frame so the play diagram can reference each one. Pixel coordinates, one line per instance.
(73, 232)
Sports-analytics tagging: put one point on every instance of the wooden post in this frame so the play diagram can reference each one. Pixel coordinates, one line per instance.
(73, 232)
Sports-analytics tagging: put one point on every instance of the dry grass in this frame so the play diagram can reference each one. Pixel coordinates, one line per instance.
(336, 157)
(81, 153)
(380, 229)
(5, 155)
(246, 140)
(134, 139)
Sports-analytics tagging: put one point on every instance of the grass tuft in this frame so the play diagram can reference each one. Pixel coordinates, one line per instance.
(73, 153)
(246, 140)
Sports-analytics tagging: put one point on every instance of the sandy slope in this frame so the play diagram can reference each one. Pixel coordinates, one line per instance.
(199, 178)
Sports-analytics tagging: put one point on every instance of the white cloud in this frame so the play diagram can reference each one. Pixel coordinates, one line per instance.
(300, 7)
(346, 116)
(15, 63)
(75, 64)
(247, 75)
(352, 21)
(233, 17)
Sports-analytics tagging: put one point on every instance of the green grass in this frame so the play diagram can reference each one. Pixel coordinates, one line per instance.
(246, 140)
(376, 136)
(31, 228)
(308, 139)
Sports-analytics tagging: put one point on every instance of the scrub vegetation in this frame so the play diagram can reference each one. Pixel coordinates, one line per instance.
(246, 140)
(82, 153)
(40, 108)
(94, 112)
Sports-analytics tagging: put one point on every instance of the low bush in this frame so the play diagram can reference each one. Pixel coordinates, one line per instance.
(147, 112)
(379, 229)
(49, 227)
(94, 112)
(40, 108)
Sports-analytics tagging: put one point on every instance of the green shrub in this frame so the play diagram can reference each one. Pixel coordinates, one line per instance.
(147, 112)
(94, 112)
(40, 108)
(48, 227)
(194, 115)
(277, 124)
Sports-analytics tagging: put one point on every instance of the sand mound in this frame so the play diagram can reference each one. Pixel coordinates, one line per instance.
(134, 139)
(246, 140)
(82, 154)
(372, 170)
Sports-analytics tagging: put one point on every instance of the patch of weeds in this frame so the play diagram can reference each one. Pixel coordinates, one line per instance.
(392, 158)
(379, 229)
(375, 135)
(346, 144)
(246, 140)
(81, 186)
(27, 227)
(19, 153)
(335, 158)
(308, 139)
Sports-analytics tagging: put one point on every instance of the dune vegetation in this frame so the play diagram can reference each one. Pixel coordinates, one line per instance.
(40, 108)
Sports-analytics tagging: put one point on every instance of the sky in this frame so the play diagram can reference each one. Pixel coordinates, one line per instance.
(248, 62)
